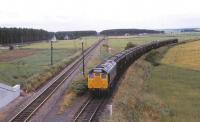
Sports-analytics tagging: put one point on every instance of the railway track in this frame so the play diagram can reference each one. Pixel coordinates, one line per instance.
(89, 110)
(26, 112)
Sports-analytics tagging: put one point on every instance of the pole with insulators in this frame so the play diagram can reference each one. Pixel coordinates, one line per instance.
(83, 57)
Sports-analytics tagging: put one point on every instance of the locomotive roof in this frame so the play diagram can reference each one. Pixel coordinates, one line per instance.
(105, 66)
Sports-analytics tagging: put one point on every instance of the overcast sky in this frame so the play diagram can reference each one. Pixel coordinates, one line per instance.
(59, 15)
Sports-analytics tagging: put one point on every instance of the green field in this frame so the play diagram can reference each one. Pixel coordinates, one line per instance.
(22, 70)
(184, 55)
(118, 43)
(69, 44)
(176, 83)
(18, 70)
(178, 89)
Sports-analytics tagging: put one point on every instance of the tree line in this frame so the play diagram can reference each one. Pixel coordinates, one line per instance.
(23, 35)
(122, 32)
(61, 35)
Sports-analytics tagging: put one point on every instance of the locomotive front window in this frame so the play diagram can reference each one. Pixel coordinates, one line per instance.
(103, 76)
(91, 75)
(97, 74)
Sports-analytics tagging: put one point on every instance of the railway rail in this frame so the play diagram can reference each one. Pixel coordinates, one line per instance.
(89, 110)
(27, 111)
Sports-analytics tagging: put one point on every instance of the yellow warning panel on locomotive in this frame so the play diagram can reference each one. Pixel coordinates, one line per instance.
(97, 81)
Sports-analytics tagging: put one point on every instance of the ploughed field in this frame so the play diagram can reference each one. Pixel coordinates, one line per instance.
(23, 65)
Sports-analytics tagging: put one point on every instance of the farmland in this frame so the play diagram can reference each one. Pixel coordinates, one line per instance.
(33, 60)
(176, 82)
(118, 43)
(178, 90)
(184, 56)
(69, 44)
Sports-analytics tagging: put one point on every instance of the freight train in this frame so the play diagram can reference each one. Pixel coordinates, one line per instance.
(102, 78)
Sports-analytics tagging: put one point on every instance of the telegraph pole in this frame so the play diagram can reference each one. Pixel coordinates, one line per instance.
(51, 52)
(52, 40)
(83, 59)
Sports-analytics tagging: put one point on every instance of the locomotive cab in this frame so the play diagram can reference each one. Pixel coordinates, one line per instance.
(97, 79)
(100, 78)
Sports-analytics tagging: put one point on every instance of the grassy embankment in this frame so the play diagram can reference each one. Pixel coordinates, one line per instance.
(32, 70)
(162, 86)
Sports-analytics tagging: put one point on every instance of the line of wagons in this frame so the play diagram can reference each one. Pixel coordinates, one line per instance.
(103, 77)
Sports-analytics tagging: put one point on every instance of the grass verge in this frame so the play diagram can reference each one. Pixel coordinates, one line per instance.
(36, 81)
(129, 95)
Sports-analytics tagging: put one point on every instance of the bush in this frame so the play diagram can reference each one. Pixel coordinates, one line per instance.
(80, 87)
(105, 45)
(155, 56)
(152, 57)
(11, 47)
(129, 45)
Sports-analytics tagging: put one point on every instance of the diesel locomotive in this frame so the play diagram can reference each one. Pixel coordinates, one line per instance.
(103, 77)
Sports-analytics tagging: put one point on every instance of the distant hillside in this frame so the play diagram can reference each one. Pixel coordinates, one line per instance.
(121, 32)
(190, 30)
(182, 30)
